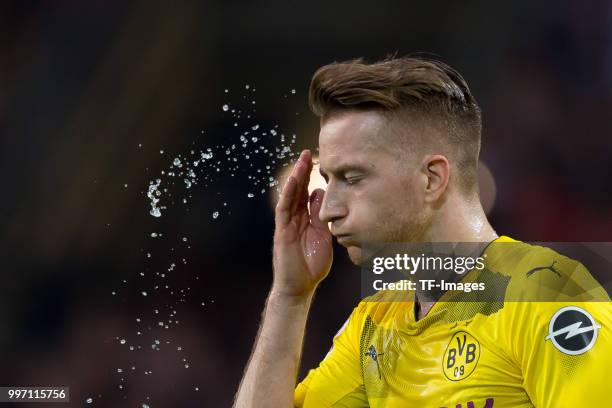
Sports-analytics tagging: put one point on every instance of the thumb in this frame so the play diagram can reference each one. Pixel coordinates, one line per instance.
(316, 200)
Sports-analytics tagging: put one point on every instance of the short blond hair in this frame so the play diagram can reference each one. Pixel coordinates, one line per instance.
(429, 88)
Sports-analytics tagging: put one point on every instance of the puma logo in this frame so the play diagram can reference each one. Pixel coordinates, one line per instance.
(541, 268)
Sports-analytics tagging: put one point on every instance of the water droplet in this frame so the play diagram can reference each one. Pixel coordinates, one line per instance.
(215, 215)
(161, 152)
(125, 185)
(89, 400)
(144, 293)
(122, 341)
(154, 235)
(225, 107)
(152, 193)
(293, 91)
(250, 195)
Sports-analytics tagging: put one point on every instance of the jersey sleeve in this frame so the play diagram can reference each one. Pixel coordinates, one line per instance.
(564, 347)
(337, 381)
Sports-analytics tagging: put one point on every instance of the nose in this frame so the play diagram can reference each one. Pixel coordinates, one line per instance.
(332, 207)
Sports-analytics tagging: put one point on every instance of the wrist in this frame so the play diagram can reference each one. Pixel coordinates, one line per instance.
(282, 297)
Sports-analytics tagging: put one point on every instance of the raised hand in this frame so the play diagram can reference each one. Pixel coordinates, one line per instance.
(302, 253)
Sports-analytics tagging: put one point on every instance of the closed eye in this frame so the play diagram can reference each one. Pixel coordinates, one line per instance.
(353, 180)
(347, 174)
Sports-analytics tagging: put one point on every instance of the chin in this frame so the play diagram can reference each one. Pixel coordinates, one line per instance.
(355, 254)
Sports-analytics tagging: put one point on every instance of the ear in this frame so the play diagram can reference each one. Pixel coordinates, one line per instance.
(437, 172)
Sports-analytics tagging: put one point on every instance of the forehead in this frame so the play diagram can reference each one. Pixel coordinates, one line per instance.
(356, 136)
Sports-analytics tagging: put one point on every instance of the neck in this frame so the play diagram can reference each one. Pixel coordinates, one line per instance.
(460, 219)
(457, 220)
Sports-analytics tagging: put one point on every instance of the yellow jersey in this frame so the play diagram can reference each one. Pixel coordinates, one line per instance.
(517, 353)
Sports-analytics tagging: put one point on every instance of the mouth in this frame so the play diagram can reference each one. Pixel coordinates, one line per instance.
(345, 240)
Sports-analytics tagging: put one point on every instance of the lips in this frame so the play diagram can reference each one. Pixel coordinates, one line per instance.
(344, 240)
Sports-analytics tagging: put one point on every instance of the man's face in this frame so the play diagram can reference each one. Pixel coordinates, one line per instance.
(375, 188)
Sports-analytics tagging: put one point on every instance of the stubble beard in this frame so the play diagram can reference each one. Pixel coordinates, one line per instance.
(408, 230)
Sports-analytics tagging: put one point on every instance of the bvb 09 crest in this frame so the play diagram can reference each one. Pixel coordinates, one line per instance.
(461, 356)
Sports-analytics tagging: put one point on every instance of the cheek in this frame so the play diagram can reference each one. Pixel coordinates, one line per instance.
(397, 209)
(370, 205)
(409, 192)
(415, 187)
(383, 204)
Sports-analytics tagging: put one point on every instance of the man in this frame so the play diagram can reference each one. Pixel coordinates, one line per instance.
(399, 146)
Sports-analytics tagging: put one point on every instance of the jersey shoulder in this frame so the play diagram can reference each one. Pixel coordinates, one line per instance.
(539, 273)
(383, 307)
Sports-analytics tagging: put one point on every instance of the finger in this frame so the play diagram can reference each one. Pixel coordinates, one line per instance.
(303, 195)
(308, 157)
(285, 201)
(302, 158)
(316, 201)
(302, 174)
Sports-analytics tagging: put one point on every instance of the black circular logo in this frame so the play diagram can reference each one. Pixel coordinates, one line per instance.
(572, 330)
